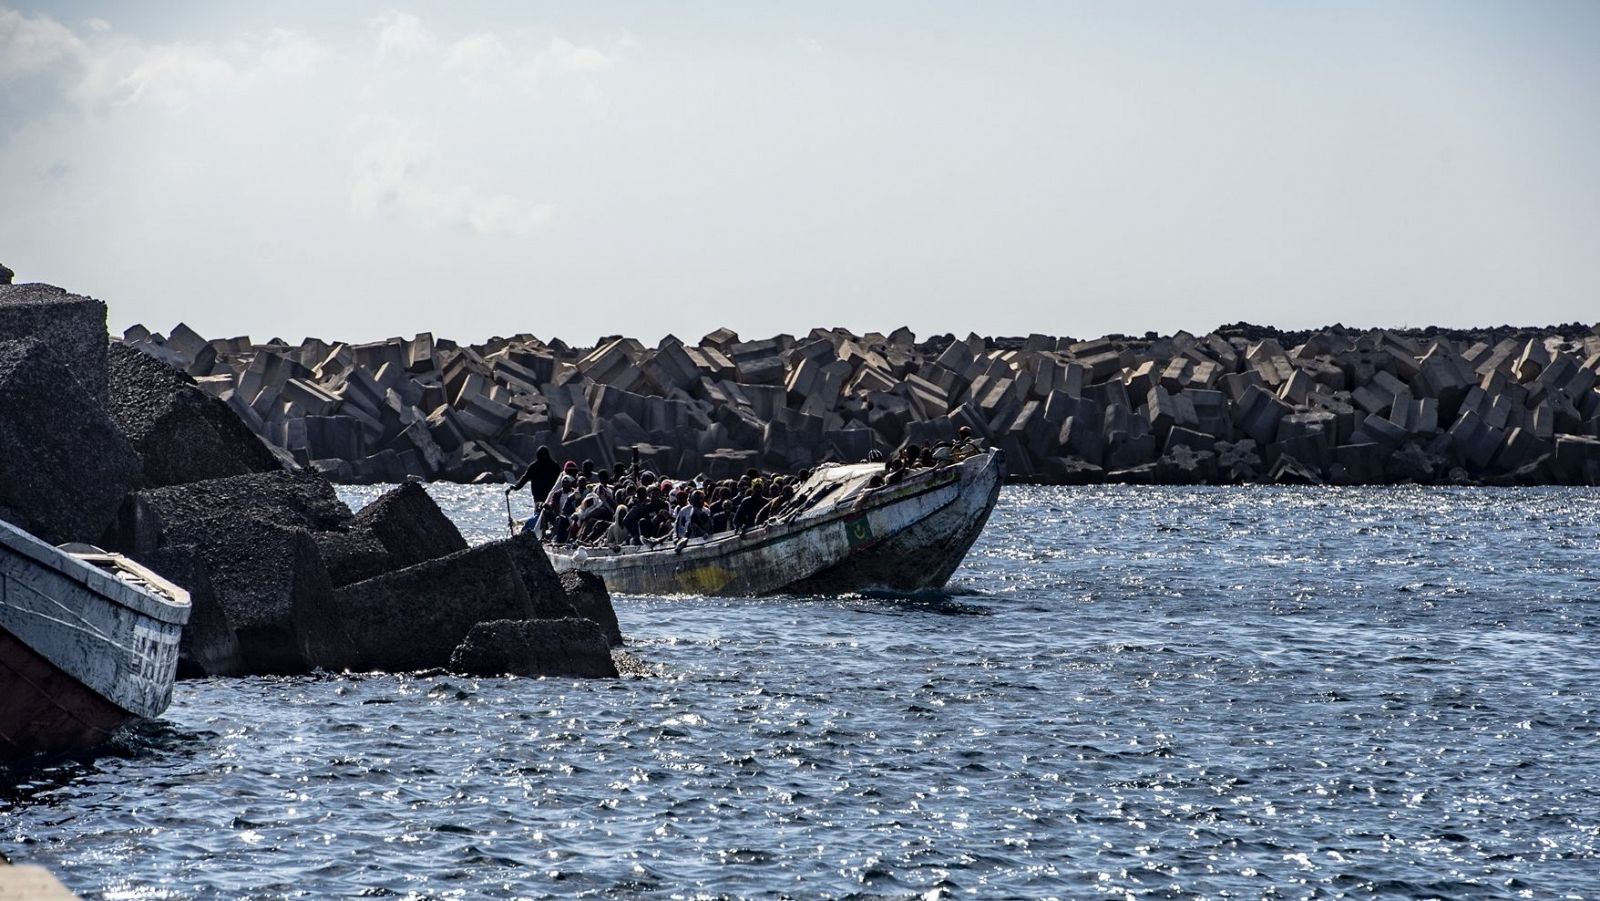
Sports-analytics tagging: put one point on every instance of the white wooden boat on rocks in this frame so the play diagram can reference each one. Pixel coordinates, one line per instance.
(88, 642)
(841, 535)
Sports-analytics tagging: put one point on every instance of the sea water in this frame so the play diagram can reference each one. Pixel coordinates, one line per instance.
(1127, 692)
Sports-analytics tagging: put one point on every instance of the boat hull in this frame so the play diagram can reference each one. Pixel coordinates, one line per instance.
(43, 710)
(903, 538)
(84, 646)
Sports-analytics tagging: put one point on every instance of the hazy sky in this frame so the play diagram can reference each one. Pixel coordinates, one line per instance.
(355, 170)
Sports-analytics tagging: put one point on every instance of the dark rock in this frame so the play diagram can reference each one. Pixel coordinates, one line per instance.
(413, 618)
(587, 594)
(64, 466)
(6, 275)
(411, 526)
(181, 433)
(74, 327)
(1577, 460)
(270, 582)
(545, 589)
(545, 647)
(209, 646)
(189, 513)
(1290, 470)
(1414, 463)
(353, 556)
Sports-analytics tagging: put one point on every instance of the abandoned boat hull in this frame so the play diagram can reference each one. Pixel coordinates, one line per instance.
(906, 537)
(88, 641)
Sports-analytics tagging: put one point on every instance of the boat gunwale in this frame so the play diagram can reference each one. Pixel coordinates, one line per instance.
(70, 565)
(727, 542)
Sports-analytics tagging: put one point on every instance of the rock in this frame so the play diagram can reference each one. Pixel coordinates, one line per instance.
(1291, 471)
(353, 556)
(181, 433)
(190, 513)
(72, 326)
(209, 646)
(545, 589)
(413, 618)
(545, 647)
(1577, 460)
(587, 594)
(6, 275)
(269, 581)
(64, 466)
(410, 526)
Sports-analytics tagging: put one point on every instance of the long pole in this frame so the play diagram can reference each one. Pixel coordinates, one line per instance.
(511, 524)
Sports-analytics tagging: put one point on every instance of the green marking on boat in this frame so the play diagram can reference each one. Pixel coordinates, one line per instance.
(858, 530)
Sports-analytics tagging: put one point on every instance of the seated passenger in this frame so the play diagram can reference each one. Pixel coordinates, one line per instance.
(618, 535)
(693, 521)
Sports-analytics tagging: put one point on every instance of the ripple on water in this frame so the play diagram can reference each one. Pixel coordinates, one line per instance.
(1125, 692)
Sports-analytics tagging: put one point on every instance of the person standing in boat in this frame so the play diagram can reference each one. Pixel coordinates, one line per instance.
(540, 476)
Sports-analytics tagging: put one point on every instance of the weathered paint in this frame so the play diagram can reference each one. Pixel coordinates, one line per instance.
(91, 641)
(904, 537)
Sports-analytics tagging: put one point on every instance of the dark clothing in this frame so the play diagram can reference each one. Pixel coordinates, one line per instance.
(745, 516)
(541, 474)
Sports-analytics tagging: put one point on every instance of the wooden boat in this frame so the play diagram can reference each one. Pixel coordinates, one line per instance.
(840, 535)
(88, 642)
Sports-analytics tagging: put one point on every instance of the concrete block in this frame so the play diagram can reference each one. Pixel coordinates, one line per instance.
(613, 364)
(410, 526)
(71, 325)
(1577, 460)
(1416, 416)
(1235, 385)
(1298, 388)
(64, 464)
(415, 617)
(1257, 414)
(1363, 464)
(540, 647)
(723, 339)
(1143, 377)
(1188, 438)
(671, 367)
(180, 433)
(1531, 361)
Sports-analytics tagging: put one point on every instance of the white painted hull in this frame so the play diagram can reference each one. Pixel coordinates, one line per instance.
(91, 641)
(903, 538)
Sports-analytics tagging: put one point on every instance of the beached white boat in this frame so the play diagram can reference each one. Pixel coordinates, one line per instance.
(88, 642)
(842, 536)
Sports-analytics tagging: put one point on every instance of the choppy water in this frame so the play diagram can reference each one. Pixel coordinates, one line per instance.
(1132, 692)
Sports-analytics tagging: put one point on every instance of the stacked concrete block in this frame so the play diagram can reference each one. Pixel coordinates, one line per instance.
(1064, 409)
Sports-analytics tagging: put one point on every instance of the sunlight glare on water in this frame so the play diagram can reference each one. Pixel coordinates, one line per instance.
(1127, 692)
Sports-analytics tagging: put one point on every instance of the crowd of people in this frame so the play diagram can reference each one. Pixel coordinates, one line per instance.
(579, 503)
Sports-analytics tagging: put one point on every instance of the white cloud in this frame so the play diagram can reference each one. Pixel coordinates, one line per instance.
(570, 57)
(100, 68)
(394, 180)
(286, 54)
(810, 46)
(403, 34)
(477, 53)
(30, 44)
(172, 75)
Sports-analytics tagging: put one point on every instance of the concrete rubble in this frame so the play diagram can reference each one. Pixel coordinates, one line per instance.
(1241, 404)
(112, 444)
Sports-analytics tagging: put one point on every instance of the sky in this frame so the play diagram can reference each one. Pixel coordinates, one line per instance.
(357, 170)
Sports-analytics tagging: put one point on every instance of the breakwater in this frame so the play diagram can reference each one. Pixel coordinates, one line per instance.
(1244, 403)
(103, 444)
